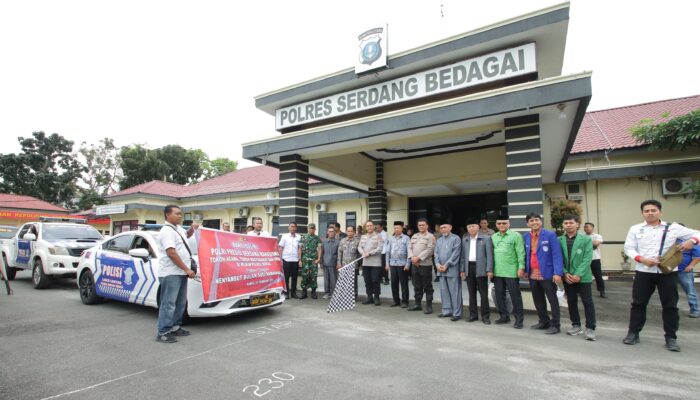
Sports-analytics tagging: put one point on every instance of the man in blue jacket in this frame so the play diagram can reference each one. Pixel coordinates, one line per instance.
(544, 268)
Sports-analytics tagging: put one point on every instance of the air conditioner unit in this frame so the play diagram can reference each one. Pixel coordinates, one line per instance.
(575, 197)
(270, 209)
(243, 211)
(320, 207)
(671, 186)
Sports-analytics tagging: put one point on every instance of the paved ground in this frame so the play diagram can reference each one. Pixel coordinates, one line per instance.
(53, 346)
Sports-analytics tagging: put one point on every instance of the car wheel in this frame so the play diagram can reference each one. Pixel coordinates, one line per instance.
(39, 278)
(86, 285)
(11, 272)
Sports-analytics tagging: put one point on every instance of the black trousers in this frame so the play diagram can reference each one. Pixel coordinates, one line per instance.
(481, 285)
(385, 273)
(573, 291)
(598, 275)
(540, 290)
(399, 277)
(515, 297)
(357, 274)
(373, 276)
(422, 282)
(291, 270)
(643, 287)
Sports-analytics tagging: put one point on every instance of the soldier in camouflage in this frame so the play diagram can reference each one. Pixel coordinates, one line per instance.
(310, 252)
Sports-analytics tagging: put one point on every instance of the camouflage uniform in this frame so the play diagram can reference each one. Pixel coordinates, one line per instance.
(309, 253)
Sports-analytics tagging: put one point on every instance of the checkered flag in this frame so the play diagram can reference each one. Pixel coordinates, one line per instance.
(344, 294)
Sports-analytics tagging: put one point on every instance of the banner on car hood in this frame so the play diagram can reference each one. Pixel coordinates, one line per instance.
(232, 264)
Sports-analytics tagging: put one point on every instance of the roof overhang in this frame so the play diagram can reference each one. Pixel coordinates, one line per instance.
(547, 28)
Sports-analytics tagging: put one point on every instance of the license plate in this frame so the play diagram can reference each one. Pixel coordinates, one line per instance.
(261, 300)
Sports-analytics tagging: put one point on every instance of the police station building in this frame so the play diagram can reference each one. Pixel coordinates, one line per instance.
(469, 126)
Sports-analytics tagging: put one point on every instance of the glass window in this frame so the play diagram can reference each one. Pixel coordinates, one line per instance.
(141, 242)
(70, 231)
(120, 243)
(7, 232)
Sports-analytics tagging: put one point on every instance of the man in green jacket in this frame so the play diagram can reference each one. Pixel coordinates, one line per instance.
(508, 265)
(578, 253)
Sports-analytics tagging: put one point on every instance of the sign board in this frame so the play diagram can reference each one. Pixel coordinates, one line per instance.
(111, 209)
(373, 50)
(499, 65)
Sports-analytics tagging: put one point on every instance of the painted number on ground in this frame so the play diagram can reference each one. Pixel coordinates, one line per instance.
(266, 385)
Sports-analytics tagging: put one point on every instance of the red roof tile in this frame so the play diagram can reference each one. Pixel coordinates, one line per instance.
(610, 129)
(27, 203)
(245, 179)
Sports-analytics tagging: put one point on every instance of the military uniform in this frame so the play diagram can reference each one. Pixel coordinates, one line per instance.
(422, 246)
(309, 245)
(347, 253)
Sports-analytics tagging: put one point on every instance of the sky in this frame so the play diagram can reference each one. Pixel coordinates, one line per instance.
(186, 72)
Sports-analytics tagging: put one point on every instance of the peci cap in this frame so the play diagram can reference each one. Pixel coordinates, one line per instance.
(400, 223)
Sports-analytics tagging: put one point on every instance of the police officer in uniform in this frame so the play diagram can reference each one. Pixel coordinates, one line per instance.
(420, 252)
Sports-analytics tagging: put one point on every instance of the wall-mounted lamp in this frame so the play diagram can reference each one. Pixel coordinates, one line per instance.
(561, 107)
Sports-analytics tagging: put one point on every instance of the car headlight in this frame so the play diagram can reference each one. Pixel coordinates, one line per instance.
(59, 251)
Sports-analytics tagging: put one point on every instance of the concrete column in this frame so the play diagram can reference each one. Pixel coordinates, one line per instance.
(377, 197)
(523, 169)
(293, 193)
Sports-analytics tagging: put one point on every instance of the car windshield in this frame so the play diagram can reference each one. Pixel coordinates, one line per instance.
(7, 232)
(70, 232)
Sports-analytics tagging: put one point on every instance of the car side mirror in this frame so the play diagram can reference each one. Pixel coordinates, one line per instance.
(29, 236)
(140, 253)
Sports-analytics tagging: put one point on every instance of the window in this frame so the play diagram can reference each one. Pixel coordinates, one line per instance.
(212, 223)
(141, 242)
(125, 226)
(239, 225)
(24, 231)
(120, 244)
(350, 220)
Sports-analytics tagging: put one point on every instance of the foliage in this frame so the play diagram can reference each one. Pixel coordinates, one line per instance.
(218, 166)
(171, 163)
(679, 133)
(560, 208)
(101, 172)
(45, 168)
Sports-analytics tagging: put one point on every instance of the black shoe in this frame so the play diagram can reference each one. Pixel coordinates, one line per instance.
(518, 325)
(404, 305)
(472, 319)
(502, 320)
(603, 295)
(631, 338)
(437, 279)
(368, 301)
(428, 308)
(486, 321)
(180, 332)
(287, 296)
(415, 307)
(540, 325)
(672, 345)
(313, 294)
(303, 295)
(376, 301)
(385, 283)
(441, 315)
(455, 319)
(167, 338)
(395, 305)
(294, 295)
(552, 330)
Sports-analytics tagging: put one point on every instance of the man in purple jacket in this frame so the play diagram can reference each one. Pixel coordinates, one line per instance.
(544, 267)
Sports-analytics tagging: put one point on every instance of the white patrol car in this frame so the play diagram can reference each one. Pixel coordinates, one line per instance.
(125, 268)
(51, 247)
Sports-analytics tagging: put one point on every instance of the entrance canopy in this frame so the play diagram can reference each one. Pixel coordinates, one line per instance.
(485, 111)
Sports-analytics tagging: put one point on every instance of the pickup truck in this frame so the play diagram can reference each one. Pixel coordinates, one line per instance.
(49, 249)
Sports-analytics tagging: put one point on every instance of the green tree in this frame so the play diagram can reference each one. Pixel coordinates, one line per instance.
(101, 172)
(679, 133)
(45, 168)
(171, 163)
(559, 209)
(219, 166)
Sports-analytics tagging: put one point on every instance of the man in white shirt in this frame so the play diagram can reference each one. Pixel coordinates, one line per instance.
(289, 249)
(257, 228)
(174, 262)
(595, 264)
(379, 229)
(645, 244)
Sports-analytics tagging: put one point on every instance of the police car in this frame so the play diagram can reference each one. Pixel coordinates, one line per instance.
(125, 268)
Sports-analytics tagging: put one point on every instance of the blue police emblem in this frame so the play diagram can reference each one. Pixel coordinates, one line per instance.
(371, 51)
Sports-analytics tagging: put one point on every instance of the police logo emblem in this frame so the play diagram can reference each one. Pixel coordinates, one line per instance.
(370, 45)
